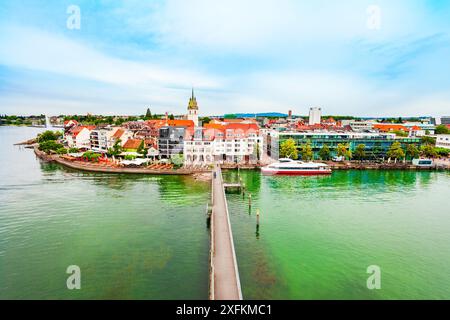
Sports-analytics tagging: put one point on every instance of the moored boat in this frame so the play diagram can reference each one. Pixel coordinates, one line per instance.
(292, 167)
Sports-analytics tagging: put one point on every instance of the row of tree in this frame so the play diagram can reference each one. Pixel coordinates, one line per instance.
(288, 149)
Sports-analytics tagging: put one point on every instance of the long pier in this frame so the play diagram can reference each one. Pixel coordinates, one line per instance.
(224, 275)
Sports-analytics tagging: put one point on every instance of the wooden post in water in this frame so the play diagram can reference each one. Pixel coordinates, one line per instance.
(257, 217)
(249, 200)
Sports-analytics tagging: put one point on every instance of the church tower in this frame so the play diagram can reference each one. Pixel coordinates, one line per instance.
(193, 109)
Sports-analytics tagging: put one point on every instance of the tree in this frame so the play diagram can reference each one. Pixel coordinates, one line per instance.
(412, 151)
(205, 120)
(61, 151)
(73, 150)
(288, 149)
(343, 151)
(428, 140)
(171, 117)
(442, 152)
(177, 160)
(148, 114)
(428, 151)
(400, 133)
(116, 149)
(324, 153)
(48, 135)
(306, 151)
(91, 156)
(442, 129)
(257, 151)
(396, 151)
(360, 152)
(142, 149)
(50, 145)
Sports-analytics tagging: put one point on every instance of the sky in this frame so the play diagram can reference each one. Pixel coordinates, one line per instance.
(354, 57)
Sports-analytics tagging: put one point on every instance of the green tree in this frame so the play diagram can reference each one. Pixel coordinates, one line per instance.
(48, 135)
(73, 150)
(400, 133)
(61, 151)
(142, 149)
(442, 129)
(325, 153)
(428, 151)
(205, 120)
(288, 149)
(412, 151)
(148, 114)
(171, 117)
(91, 156)
(177, 160)
(343, 150)
(50, 145)
(396, 151)
(442, 152)
(428, 140)
(116, 148)
(306, 151)
(360, 152)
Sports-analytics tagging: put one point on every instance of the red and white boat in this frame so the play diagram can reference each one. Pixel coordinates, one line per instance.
(296, 168)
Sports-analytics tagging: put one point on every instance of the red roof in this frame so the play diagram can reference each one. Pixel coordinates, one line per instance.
(389, 127)
(76, 130)
(180, 123)
(132, 144)
(118, 134)
(67, 122)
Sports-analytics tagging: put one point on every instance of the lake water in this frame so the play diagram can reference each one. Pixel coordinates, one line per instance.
(145, 237)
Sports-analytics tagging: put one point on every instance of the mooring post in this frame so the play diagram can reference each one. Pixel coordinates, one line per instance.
(249, 199)
(257, 218)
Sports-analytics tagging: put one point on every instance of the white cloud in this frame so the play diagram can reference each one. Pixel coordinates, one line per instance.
(38, 50)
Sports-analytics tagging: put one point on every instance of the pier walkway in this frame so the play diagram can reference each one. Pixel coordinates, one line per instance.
(224, 277)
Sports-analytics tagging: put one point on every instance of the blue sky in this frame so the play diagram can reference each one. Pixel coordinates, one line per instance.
(239, 55)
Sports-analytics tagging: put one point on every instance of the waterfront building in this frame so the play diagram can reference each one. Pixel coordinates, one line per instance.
(443, 141)
(315, 115)
(171, 140)
(79, 137)
(198, 146)
(121, 134)
(235, 142)
(193, 109)
(132, 145)
(102, 139)
(377, 144)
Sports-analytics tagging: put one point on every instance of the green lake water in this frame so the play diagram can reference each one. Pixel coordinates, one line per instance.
(145, 237)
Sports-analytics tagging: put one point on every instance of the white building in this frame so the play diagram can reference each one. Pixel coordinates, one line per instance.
(198, 148)
(79, 137)
(443, 141)
(359, 126)
(102, 139)
(315, 115)
(223, 142)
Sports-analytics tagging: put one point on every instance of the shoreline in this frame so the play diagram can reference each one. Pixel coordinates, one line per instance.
(199, 172)
(103, 169)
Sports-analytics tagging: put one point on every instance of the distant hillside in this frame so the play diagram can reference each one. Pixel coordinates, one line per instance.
(252, 115)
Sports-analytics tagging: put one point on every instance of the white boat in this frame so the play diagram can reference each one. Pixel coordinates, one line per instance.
(292, 167)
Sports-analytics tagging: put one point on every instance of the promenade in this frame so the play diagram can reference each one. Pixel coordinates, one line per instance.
(225, 282)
